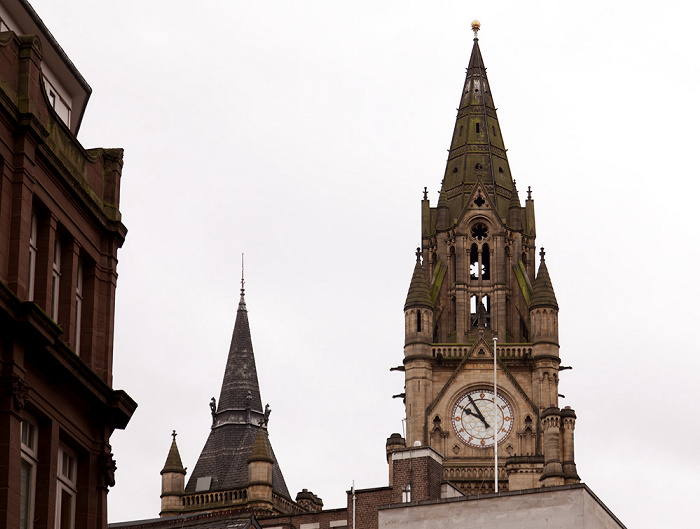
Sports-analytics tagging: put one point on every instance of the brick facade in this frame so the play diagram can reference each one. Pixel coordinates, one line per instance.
(60, 229)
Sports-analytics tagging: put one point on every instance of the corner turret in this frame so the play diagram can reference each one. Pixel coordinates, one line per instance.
(172, 481)
(260, 464)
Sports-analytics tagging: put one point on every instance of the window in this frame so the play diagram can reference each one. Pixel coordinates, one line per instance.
(56, 279)
(27, 474)
(485, 263)
(406, 493)
(78, 305)
(477, 127)
(65, 497)
(418, 322)
(32, 257)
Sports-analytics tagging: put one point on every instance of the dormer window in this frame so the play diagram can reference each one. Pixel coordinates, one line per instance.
(59, 99)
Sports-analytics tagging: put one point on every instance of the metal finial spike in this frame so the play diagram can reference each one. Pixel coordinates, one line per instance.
(425, 193)
(242, 275)
(476, 26)
(174, 434)
(529, 193)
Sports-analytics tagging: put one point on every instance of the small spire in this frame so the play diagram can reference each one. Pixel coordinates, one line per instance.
(542, 290)
(418, 290)
(261, 451)
(476, 26)
(173, 463)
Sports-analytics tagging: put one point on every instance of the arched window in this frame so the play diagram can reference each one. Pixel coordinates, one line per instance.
(418, 321)
(474, 262)
(485, 262)
(453, 265)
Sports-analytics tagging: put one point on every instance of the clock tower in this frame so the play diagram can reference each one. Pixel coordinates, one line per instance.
(476, 290)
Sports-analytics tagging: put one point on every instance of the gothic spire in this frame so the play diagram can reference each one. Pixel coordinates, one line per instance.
(542, 290)
(240, 392)
(238, 421)
(477, 151)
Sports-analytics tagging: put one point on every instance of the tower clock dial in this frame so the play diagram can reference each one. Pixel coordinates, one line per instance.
(474, 420)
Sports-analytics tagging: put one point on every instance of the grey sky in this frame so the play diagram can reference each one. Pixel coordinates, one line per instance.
(302, 133)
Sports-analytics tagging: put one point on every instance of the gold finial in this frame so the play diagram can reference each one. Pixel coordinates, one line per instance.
(476, 26)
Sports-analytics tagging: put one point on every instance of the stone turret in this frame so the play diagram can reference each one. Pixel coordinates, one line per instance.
(418, 314)
(568, 418)
(260, 475)
(418, 309)
(544, 314)
(553, 474)
(172, 481)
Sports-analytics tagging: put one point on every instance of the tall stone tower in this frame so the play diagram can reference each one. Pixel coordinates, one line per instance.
(474, 281)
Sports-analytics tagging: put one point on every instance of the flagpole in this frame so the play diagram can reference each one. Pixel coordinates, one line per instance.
(495, 413)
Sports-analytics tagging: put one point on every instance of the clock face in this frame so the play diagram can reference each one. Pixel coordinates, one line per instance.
(474, 418)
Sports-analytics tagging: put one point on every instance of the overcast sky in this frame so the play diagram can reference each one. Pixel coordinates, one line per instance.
(302, 133)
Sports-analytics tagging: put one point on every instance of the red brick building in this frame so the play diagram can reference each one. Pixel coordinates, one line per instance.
(60, 229)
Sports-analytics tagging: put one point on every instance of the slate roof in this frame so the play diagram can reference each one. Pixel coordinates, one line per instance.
(225, 459)
(237, 420)
(240, 377)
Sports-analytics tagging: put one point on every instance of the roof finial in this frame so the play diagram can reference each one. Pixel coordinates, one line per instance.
(418, 255)
(425, 193)
(529, 193)
(242, 276)
(542, 253)
(476, 26)
(174, 434)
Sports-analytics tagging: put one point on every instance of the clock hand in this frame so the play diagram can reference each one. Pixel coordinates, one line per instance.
(478, 411)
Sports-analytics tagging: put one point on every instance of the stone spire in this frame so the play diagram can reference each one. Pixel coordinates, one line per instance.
(477, 151)
(173, 463)
(260, 451)
(542, 290)
(515, 218)
(418, 291)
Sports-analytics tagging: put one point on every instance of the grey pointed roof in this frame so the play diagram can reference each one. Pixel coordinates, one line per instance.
(237, 420)
(542, 290)
(240, 388)
(173, 463)
(477, 150)
(418, 291)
